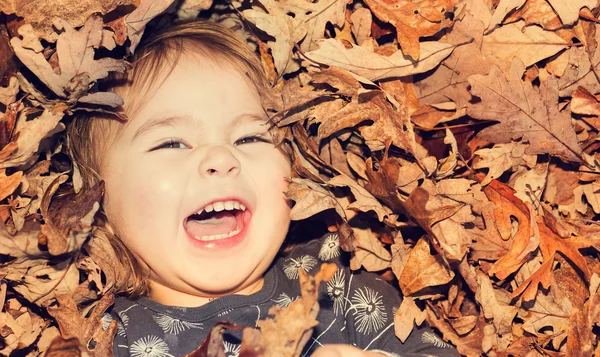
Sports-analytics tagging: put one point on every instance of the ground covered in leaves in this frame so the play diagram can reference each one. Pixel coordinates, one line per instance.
(453, 144)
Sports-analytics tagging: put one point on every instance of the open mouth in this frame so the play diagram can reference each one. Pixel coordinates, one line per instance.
(209, 226)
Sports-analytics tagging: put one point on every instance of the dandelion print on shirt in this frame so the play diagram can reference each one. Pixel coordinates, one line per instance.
(174, 326)
(107, 319)
(231, 349)
(335, 290)
(330, 248)
(284, 300)
(306, 262)
(150, 346)
(433, 339)
(369, 312)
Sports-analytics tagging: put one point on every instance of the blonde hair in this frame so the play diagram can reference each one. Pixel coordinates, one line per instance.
(88, 136)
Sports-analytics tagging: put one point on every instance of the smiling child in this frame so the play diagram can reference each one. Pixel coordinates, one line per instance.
(194, 204)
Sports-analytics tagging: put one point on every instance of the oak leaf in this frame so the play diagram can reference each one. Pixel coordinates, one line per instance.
(536, 12)
(524, 241)
(77, 67)
(530, 44)
(68, 221)
(315, 16)
(137, 20)
(286, 30)
(550, 244)
(368, 64)
(369, 252)
(310, 199)
(8, 94)
(88, 331)
(39, 14)
(423, 270)
(568, 11)
(8, 184)
(504, 7)
(28, 135)
(584, 102)
(502, 157)
(413, 20)
(495, 304)
(364, 200)
(406, 317)
(524, 113)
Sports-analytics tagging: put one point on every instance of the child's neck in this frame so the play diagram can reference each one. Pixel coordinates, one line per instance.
(171, 297)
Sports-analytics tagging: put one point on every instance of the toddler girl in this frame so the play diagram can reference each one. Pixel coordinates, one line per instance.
(195, 206)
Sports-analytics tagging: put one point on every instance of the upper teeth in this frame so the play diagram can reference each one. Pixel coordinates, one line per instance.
(223, 205)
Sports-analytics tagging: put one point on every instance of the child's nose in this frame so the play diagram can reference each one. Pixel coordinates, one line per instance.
(219, 161)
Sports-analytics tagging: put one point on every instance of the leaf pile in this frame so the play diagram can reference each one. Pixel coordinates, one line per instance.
(453, 144)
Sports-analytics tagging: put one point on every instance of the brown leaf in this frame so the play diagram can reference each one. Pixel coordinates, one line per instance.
(369, 252)
(524, 113)
(584, 102)
(9, 94)
(68, 221)
(28, 136)
(550, 244)
(136, 21)
(86, 330)
(495, 304)
(423, 269)
(368, 64)
(406, 317)
(569, 11)
(8, 184)
(7, 126)
(287, 332)
(529, 44)
(523, 241)
(364, 201)
(41, 13)
(20, 327)
(66, 348)
(286, 31)
(310, 199)
(212, 346)
(315, 16)
(413, 20)
(75, 51)
(536, 12)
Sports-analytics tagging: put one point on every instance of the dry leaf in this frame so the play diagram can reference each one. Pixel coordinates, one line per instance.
(524, 113)
(310, 199)
(368, 64)
(40, 14)
(423, 270)
(529, 44)
(78, 68)
(327, 11)
(413, 19)
(568, 11)
(85, 330)
(29, 134)
(503, 8)
(369, 252)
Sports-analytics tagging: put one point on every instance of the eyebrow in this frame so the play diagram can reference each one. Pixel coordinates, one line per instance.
(189, 121)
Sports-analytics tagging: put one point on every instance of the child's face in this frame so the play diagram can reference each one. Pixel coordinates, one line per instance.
(151, 191)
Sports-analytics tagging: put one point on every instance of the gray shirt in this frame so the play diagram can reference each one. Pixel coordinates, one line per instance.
(357, 308)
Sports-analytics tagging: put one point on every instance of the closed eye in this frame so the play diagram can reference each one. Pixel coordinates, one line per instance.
(170, 144)
(253, 139)
(176, 143)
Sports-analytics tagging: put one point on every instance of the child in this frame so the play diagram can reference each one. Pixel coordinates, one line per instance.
(194, 193)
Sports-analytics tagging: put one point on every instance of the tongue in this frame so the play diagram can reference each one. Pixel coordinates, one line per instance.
(219, 223)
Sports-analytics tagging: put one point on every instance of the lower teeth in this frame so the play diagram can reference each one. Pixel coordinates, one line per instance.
(220, 236)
